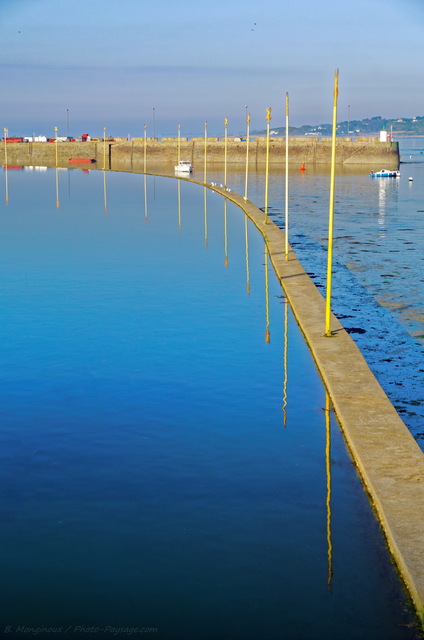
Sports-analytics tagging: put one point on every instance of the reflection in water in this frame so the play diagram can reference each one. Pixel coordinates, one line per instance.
(57, 185)
(225, 233)
(5, 165)
(205, 216)
(179, 204)
(286, 344)
(328, 473)
(146, 215)
(7, 183)
(246, 235)
(104, 192)
(267, 332)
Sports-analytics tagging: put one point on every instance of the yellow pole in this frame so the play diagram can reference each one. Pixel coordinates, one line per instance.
(268, 118)
(225, 151)
(179, 142)
(328, 332)
(145, 147)
(55, 135)
(247, 154)
(104, 148)
(204, 180)
(287, 179)
(205, 153)
(5, 164)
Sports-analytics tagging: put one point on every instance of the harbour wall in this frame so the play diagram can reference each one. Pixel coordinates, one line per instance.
(152, 154)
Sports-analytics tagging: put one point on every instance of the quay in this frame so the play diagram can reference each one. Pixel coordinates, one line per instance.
(131, 155)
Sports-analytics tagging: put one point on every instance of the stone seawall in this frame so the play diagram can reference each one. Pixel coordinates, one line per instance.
(164, 153)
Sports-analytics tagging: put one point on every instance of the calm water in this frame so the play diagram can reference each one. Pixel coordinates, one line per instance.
(378, 289)
(163, 465)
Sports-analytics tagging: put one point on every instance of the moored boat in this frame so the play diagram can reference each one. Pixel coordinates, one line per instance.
(183, 166)
(82, 160)
(385, 173)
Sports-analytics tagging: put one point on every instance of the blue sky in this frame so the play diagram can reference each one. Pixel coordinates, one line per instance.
(98, 63)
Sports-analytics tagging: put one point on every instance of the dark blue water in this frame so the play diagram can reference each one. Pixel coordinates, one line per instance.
(163, 466)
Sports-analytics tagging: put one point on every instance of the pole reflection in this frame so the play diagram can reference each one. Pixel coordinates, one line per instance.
(286, 344)
(246, 235)
(179, 204)
(146, 214)
(104, 193)
(57, 185)
(267, 331)
(205, 214)
(328, 474)
(225, 233)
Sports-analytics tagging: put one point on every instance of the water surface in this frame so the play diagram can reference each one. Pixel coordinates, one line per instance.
(167, 459)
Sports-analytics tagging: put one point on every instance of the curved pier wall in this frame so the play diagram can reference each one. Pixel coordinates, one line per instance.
(164, 153)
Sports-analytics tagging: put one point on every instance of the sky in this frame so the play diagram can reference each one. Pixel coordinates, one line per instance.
(83, 65)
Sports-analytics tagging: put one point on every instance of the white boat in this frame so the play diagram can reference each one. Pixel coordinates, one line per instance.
(183, 166)
(385, 173)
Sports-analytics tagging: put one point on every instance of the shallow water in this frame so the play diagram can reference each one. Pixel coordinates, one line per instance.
(163, 465)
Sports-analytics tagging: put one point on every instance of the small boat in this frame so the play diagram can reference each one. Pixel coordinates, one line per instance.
(385, 173)
(183, 166)
(82, 160)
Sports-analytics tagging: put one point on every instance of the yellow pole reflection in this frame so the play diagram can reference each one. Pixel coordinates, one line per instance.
(57, 188)
(247, 154)
(246, 235)
(205, 191)
(328, 473)
(286, 370)
(5, 164)
(268, 118)
(225, 233)
(267, 332)
(287, 180)
(179, 205)
(225, 150)
(104, 192)
(146, 215)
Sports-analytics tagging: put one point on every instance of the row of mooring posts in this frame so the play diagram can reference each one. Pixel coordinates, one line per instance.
(328, 332)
